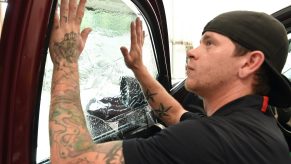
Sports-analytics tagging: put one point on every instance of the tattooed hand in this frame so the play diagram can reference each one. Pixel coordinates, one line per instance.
(67, 43)
(133, 58)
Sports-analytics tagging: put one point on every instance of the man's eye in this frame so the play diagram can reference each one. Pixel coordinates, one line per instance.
(208, 43)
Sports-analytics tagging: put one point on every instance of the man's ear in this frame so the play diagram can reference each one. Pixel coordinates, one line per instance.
(251, 62)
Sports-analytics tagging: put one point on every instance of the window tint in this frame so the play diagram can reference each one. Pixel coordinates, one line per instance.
(112, 100)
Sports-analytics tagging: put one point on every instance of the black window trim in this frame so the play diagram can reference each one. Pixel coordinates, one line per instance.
(154, 13)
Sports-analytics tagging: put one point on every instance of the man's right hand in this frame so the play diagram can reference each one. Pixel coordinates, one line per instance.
(133, 58)
(67, 42)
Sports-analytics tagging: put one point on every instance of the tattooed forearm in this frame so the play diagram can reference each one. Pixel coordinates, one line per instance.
(68, 126)
(69, 132)
(162, 111)
(65, 77)
(82, 161)
(150, 96)
(109, 153)
(115, 154)
(69, 136)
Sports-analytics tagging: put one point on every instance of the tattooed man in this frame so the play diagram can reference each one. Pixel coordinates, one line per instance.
(234, 70)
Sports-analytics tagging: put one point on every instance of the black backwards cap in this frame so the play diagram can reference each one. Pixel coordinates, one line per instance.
(259, 31)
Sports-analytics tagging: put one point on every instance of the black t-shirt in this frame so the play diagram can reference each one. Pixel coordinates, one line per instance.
(238, 133)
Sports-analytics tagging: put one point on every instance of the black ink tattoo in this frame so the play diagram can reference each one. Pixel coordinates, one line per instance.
(66, 49)
(65, 19)
(162, 111)
(150, 96)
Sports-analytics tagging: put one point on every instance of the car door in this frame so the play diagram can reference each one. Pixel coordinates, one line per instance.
(22, 48)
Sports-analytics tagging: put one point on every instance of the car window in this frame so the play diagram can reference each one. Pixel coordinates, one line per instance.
(3, 6)
(111, 97)
(287, 68)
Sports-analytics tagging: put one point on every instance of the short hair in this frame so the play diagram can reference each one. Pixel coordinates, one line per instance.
(261, 85)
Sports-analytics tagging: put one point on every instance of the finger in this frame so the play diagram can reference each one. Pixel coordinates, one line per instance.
(138, 30)
(56, 21)
(85, 33)
(72, 10)
(133, 34)
(143, 36)
(126, 56)
(124, 52)
(80, 11)
(64, 12)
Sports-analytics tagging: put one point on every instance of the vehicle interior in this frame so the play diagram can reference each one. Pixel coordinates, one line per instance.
(112, 100)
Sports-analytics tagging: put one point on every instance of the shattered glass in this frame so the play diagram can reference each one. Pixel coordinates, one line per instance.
(111, 117)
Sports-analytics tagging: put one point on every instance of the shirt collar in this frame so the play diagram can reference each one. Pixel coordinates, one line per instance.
(250, 102)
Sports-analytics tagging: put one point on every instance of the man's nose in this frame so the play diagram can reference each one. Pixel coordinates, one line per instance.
(191, 54)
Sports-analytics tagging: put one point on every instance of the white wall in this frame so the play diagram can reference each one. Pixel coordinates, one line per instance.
(3, 6)
(186, 19)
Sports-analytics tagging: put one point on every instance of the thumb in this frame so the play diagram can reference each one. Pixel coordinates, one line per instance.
(124, 51)
(85, 33)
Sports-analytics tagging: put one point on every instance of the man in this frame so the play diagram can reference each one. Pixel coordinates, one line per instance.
(234, 69)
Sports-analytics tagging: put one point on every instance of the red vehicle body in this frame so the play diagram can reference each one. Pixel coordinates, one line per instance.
(22, 45)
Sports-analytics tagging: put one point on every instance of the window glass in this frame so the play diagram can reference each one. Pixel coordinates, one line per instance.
(287, 68)
(3, 6)
(112, 100)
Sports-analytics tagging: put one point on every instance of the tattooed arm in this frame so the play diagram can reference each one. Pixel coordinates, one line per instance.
(70, 140)
(163, 104)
